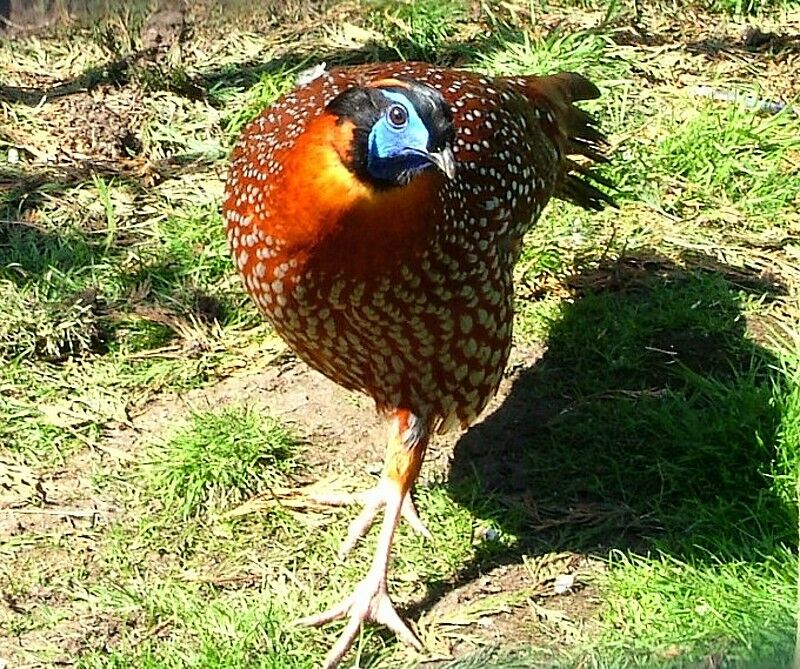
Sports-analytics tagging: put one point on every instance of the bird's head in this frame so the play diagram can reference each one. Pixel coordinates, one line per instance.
(400, 129)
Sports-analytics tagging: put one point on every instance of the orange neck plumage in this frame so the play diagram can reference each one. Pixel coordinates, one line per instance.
(326, 214)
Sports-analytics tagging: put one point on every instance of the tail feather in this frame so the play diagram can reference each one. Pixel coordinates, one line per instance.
(584, 148)
(576, 134)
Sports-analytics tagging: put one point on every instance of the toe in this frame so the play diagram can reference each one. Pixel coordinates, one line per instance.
(385, 614)
(340, 610)
(360, 526)
(342, 645)
(409, 513)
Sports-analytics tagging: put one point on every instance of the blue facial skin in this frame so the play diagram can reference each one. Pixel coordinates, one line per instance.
(397, 151)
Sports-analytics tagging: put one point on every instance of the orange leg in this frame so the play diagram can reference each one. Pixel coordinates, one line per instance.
(370, 600)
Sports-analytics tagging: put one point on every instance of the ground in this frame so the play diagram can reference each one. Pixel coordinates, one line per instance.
(629, 497)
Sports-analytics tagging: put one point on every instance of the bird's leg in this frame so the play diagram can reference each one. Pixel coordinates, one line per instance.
(373, 500)
(370, 600)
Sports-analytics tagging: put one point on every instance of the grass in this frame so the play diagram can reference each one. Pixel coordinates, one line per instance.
(589, 51)
(415, 30)
(671, 431)
(739, 7)
(741, 162)
(222, 458)
(741, 609)
(225, 633)
(648, 447)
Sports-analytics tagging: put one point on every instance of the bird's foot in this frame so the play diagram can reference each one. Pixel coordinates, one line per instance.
(369, 601)
(373, 501)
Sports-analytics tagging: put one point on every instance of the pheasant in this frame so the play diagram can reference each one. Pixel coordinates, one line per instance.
(375, 215)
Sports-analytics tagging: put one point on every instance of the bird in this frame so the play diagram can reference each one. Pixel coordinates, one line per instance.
(375, 214)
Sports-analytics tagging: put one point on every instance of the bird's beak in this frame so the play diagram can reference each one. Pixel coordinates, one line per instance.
(445, 161)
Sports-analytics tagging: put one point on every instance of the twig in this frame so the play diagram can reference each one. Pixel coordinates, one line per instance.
(76, 513)
(748, 101)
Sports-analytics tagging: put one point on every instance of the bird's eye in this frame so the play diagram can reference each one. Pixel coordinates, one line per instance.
(397, 115)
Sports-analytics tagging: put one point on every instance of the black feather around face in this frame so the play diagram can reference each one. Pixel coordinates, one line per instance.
(435, 112)
(364, 107)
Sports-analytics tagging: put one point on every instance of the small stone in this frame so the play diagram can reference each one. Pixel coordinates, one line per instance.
(563, 583)
(491, 534)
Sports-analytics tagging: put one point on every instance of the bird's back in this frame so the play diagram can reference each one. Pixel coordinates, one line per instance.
(404, 293)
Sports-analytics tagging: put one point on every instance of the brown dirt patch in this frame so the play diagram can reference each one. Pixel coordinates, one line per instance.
(542, 602)
(104, 123)
(340, 427)
(64, 498)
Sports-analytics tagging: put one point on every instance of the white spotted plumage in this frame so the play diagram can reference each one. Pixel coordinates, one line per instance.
(433, 338)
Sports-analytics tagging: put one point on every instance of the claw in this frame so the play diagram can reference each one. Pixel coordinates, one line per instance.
(370, 601)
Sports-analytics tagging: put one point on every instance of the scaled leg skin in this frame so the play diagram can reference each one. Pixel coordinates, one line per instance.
(408, 438)
(373, 500)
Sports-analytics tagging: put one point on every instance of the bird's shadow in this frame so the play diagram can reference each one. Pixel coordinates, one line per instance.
(648, 423)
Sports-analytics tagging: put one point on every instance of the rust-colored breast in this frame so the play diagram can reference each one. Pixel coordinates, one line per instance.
(406, 293)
